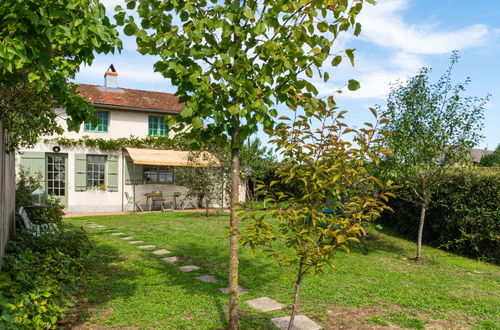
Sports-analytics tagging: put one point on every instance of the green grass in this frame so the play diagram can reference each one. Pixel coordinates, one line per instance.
(129, 287)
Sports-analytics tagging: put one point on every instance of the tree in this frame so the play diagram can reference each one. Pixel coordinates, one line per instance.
(334, 195)
(258, 163)
(42, 45)
(232, 62)
(432, 128)
(491, 160)
(206, 183)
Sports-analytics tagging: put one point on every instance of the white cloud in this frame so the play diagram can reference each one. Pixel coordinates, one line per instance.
(383, 25)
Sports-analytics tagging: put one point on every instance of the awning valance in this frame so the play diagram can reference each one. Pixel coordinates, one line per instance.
(171, 158)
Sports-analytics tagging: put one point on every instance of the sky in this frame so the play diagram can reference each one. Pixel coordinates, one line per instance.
(398, 37)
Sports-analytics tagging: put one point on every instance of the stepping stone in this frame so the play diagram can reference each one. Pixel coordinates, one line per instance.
(265, 304)
(241, 290)
(170, 260)
(146, 246)
(207, 278)
(127, 238)
(161, 251)
(117, 234)
(301, 322)
(135, 242)
(188, 268)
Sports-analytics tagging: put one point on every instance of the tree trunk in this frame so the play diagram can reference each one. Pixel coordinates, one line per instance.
(296, 295)
(233, 261)
(423, 209)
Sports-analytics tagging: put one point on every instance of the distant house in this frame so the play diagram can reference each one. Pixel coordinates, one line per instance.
(90, 179)
(477, 154)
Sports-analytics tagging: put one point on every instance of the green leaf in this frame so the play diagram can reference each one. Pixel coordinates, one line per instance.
(336, 60)
(353, 85)
(309, 72)
(326, 76)
(350, 54)
(248, 13)
(197, 122)
(357, 29)
(129, 29)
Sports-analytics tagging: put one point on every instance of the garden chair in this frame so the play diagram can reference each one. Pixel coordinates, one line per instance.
(130, 202)
(35, 229)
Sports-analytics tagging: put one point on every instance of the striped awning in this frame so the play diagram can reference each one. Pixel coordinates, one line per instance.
(171, 158)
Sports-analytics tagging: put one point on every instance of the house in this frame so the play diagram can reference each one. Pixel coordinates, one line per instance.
(477, 154)
(90, 179)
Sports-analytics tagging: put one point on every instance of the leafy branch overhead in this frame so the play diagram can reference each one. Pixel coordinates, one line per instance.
(240, 58)
(42, 45)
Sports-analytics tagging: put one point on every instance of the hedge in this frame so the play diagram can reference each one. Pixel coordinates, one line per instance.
(464, 215)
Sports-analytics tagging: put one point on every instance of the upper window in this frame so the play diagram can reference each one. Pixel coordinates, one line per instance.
(96, 171)
(103, 122)
(157, 126)
(158, 174)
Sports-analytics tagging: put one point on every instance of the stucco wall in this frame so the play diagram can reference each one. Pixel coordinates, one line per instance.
(7, 194)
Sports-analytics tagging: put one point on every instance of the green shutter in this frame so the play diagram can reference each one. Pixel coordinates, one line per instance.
(129, 172)
(80, 172)
(112, 173)
(34, 163)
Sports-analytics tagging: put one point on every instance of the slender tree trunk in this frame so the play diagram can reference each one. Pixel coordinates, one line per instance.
(423, 209)
(296, 295)
(233, 261)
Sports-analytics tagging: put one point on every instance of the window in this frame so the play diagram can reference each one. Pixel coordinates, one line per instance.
(157, 126)
(104, 122)
(96, 171)
(158, 174)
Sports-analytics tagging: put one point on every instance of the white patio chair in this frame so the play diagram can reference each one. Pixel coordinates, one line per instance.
(35, 229)
(130, 202)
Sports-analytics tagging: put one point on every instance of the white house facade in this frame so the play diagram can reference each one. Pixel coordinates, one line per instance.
(88, 179)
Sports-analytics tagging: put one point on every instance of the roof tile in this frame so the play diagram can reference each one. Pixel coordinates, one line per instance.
(130, 98)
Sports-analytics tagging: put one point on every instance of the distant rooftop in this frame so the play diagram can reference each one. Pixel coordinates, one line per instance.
(477, 154)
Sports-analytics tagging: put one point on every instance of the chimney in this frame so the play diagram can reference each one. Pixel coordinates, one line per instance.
(111, 77)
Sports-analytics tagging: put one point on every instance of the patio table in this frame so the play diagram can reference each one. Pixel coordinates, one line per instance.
(150, 198)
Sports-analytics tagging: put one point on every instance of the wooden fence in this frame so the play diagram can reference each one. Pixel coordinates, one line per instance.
(7, 194)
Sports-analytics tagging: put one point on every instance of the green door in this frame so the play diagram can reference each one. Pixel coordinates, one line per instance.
(56, 176)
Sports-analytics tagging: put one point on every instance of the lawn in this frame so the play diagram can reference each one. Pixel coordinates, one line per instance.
(129, 287)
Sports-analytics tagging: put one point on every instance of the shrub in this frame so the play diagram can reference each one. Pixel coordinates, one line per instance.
(25, 186)
(39, 276)
(463, 217)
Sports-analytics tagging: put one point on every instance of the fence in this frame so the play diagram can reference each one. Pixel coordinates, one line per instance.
(7, 194)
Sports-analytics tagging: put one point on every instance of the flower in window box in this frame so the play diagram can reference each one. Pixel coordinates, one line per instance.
(102, 186)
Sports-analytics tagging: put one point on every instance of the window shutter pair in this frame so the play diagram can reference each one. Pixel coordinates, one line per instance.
(81, 173)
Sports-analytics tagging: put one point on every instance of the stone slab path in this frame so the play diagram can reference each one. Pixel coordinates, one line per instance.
(117, 234)
(146, 246)
(188, 268)
(241, 290)
(135, 242)
(264, 304)
(207, 278)
(170, 260)
(301, 322)
(161, 251)
(127, 238)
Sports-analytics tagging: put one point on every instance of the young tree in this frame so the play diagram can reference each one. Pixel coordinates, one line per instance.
(491, 160)
(432, 128)
(206, 183)
(42, 45)
(233, 61)
(334, 195)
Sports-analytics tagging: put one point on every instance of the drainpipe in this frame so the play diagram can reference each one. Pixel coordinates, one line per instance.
(135, 207)
(123, 177)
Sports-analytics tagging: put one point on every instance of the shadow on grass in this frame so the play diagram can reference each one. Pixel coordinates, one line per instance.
(103, 281)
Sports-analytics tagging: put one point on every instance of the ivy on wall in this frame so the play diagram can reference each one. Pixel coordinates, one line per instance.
(159, 142)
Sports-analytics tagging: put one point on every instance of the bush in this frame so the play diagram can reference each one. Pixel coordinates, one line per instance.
(463, 217)
(25, 186)
(39, 276)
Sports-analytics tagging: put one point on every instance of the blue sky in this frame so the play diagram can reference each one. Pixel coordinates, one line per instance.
(398, 37)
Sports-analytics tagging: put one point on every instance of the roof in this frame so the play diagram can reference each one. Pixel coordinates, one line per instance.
(130, 99)
(170, 158)
(477, 154)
